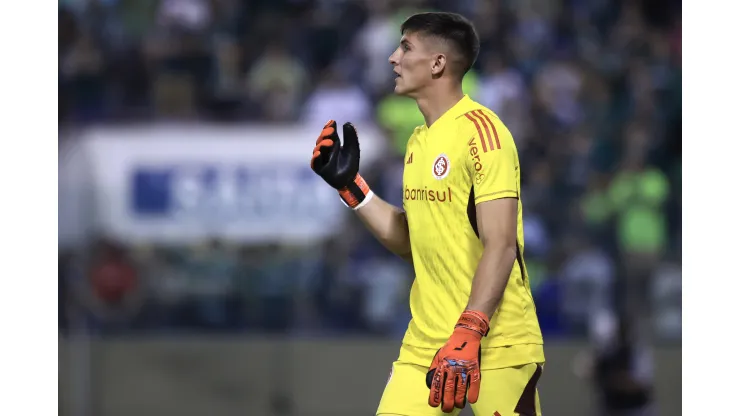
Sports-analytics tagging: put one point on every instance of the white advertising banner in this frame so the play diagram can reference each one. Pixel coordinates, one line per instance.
(181, 183)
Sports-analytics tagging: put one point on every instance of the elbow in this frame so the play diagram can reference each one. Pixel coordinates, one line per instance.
(502, 250)
(510, 253)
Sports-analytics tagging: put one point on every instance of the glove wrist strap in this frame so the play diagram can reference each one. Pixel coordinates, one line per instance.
(356, 194)
(474, 321)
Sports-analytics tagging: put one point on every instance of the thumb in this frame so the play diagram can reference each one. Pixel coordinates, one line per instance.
(350, 142)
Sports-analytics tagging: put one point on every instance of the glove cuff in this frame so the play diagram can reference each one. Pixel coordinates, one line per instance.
(474, 321)
(356, 194)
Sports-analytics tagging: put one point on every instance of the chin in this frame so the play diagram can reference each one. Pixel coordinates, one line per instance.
(399, 90)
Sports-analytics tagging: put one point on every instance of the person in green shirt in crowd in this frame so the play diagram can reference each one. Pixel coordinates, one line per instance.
(634, 199)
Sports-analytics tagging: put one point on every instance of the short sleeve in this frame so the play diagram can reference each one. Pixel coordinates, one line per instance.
(491, 158)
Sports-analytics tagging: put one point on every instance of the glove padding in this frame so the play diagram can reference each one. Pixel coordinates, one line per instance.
(339, 164)
(455, 369)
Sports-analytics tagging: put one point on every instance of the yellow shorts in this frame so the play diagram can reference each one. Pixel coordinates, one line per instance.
(505, 391)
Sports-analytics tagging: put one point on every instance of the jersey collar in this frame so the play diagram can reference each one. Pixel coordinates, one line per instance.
(456, 111)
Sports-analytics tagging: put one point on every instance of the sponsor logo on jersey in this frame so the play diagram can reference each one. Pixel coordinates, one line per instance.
(441, 166)
(475, 158)
(427, 195)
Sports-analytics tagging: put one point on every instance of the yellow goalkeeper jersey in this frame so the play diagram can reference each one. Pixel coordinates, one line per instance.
(466, 157)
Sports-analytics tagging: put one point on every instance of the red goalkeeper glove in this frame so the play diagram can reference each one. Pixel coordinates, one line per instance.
(339, 165)
(455, 370)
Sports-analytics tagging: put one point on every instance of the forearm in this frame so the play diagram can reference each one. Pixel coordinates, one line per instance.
(388, 224)
(491, 277)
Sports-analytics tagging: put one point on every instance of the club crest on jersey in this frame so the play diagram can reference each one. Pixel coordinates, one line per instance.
(441, 166)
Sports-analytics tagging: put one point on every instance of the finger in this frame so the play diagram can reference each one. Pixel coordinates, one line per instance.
(325, 143)
(326, 133)
(461, 386)
(350, 142)
(329, 128)
(432, 369)
(448, 396)
(349, 135)
(474, 388)
(325, 146)
(435, 389)
(430, 376)
(316, 154)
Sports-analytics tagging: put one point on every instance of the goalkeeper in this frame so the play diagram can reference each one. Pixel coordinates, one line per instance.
(474, 335)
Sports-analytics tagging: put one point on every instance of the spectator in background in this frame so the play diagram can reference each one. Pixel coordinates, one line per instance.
(577, 161)
(599, 121)
(166, 286)
(386, 284)
(537, 241)
(211, 273)
(620, 365)
(276, 82)
(280, 288)
(666, 293)
(192, 16)
(228, 93)
(180, 53)
(538, 189)
(595, 207)
(321, 37)
(112, 293)
(341, 300)
(637, 195)
(337, 99)
(374, 43)
(274, 286)
(588, 278)
(557, 86)
(83, 70)
(307, 274)
(502, 89)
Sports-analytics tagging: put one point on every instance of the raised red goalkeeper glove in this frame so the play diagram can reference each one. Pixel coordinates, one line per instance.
(455, 370)
(339, 164)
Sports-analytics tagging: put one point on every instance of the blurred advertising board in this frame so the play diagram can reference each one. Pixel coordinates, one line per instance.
(182, 183)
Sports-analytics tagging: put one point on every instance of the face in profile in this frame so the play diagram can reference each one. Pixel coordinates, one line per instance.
(414, 64)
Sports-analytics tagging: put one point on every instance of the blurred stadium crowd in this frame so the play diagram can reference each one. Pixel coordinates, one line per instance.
(591, 90)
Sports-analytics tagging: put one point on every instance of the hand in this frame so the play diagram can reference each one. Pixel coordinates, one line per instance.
(337, 165)
(455, 370)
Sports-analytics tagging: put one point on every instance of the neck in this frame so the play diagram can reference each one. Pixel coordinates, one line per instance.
(434, 103)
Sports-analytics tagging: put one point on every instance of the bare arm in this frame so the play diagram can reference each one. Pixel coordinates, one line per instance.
(497, 221)
(388, 224)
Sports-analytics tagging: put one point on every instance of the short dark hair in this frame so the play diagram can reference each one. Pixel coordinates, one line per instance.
(451, 27)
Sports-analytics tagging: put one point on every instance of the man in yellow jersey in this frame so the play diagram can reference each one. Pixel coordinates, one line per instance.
(474, 334)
